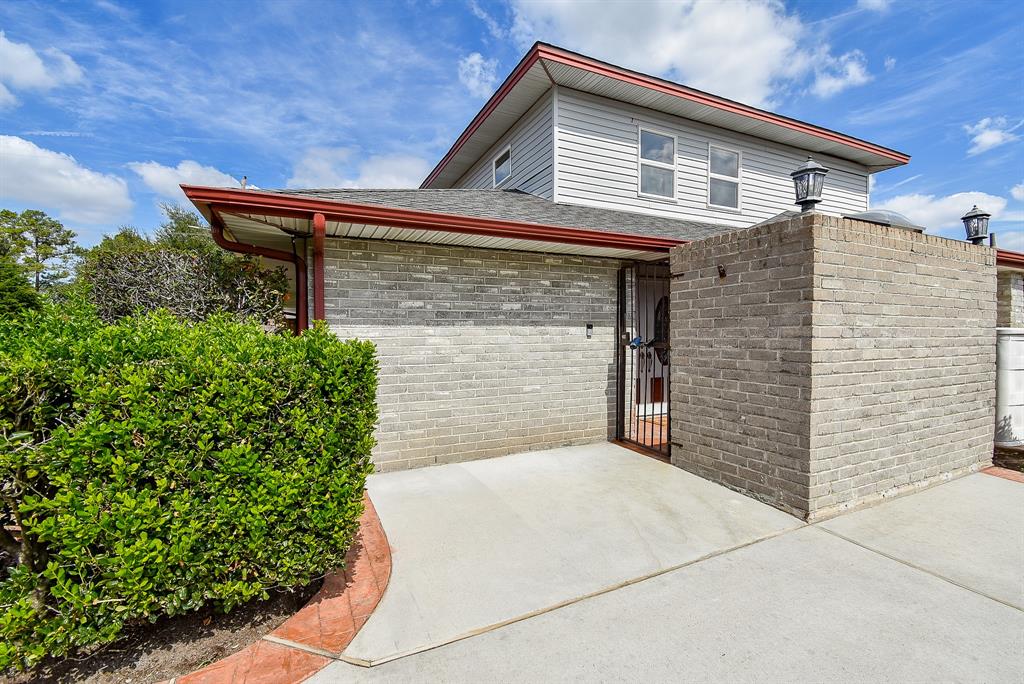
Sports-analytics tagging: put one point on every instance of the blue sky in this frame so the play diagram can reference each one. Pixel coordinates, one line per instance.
(106, 106)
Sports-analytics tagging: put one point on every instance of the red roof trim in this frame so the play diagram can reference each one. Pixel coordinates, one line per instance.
(549, 52)
(274, 204)
(1005, 257)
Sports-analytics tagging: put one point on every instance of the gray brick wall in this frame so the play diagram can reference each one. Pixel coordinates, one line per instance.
(842, 361)
(482, 352)
(741, 346)
(1010, 299)
(904, 361)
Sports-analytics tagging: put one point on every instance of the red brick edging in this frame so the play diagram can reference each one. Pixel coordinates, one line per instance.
(317, 634)
(1004, 473)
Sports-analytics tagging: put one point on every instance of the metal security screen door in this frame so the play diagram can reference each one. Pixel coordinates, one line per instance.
(642, 362)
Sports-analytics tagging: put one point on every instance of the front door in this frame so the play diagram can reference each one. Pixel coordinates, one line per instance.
(642, 362)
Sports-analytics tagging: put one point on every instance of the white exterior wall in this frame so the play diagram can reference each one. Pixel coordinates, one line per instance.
(596, 150)
(532, 155)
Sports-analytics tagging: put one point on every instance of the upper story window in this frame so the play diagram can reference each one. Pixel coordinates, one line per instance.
(502, 166)
(657, 164)
(724, 177)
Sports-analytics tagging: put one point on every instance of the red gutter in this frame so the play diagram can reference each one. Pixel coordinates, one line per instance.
(1005, 257)
(274, 204)
(554, 54)
(301, 306)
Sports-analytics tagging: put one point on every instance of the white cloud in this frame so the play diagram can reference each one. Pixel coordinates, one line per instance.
(495, 29)
(1017, 192)
(391, 171)
(478, 74)
(54, 181)
(320, 167)
(989, 133)
(885, 189)
(59, 134)
(164, 180)
(1011, 239)
(753, 51)
(874, 5)
(22, 68)
(7, 98)
(890, 63)
(836, 74)
(332, 167)
(934, 212)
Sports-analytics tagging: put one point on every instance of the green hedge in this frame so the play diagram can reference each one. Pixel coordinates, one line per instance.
(156, 467)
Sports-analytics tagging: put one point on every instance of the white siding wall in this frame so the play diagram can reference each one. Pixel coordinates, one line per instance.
(532, 154)
(596, 162)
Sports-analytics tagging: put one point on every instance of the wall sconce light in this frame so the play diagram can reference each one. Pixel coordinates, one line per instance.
(808, 181)
(976, 225)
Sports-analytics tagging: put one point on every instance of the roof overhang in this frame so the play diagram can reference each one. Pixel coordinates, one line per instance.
(545, 65)
(1009, 260)
(272, 219)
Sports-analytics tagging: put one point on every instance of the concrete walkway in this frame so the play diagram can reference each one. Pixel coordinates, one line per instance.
(597, 564)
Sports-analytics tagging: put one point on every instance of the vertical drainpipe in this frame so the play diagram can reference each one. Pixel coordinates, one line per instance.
(319, 233)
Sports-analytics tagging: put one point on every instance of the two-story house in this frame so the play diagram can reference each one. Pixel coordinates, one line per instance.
(519, 299)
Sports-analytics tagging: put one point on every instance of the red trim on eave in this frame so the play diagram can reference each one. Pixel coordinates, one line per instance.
(273, 204)
(1005, 257)
(540, 51)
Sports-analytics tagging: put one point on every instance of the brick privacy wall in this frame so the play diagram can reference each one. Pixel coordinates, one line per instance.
(482, 352)
(903, 371)
(1010, 300)
(839, 362)
(741, 346)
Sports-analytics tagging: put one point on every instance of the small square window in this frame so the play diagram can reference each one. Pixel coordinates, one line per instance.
(725, 193)
(725, 162)
(657, 147)
(502, 166)
(656, 181)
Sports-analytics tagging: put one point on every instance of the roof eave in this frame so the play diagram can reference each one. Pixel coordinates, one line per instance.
(210, 200)
(1010, 259)
(888, 158)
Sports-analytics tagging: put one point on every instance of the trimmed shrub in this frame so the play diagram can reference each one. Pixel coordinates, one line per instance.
(156, 466)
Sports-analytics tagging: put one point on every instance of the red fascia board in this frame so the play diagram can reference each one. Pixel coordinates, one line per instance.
(1010, 259)
(296, 206)
(549, 52)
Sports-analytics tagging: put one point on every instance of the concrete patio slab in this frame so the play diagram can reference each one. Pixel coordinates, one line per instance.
(970, 531)
(805, 606)
(476, 544)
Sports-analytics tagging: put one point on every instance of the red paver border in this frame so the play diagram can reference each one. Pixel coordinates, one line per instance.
(1004, 473)
(316, 635)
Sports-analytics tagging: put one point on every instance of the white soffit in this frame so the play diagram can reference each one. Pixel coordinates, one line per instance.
(267, 231)
(582, 79)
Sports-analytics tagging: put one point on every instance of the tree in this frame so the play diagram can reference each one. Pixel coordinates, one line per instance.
(40, 244)
(180, 269)
(16, 293)
(184, 230)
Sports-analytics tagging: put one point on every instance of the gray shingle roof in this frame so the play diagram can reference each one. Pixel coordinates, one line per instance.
(514, 205)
